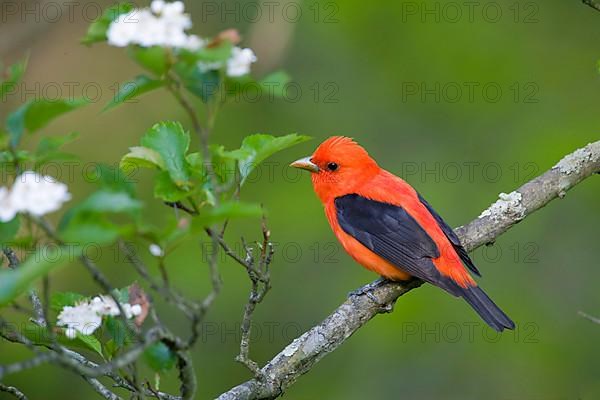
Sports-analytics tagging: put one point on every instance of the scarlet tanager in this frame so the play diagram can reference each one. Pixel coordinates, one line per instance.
(388, 228)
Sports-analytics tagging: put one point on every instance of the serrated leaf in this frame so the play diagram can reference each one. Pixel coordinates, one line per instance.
(170, 141)
(225, 211)
(14, 282)
(142, 157)
(36, 114)
(159, 357)
(256, 148)
(14, 74)
(97, 30)
(133, 89)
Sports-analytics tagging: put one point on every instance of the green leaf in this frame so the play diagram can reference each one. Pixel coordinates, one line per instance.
(202, 84)
(39, 335)
(61, 300)
(141, 157)
(159, 357)
(48, 148)
(14, 74)
(274, 84)
(196, 162)
(109, 201)
(170, 141)
(91, 342)
(8, 230)
(225, 211)
(84, 228)
(36, 114)
(155, 59)
(223, 162)
(166, 190)
(256, 148)
(122, 294)
(97, 30)
(15, 124)
(112, 178)
(118, 332)
(51, 144)
(221, 53)
(14, 282)
(132, 89)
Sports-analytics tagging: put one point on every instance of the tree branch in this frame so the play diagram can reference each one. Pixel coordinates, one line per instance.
(592, 4)
(305, 351)
(14, 391)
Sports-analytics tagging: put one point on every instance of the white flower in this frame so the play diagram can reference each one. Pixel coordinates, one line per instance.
(123, 30)
(132, 310)
(163, 24)
(33, 194)
(209, 66)
(7, 211)
(105, 305)
(136, 310)
(156, 250)
(37, 194)
(240, 61)
(71, 333)
(86, 316)
(157, 6)
(80, 318)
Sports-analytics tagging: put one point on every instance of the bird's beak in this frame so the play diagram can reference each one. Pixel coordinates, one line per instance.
(305, 163)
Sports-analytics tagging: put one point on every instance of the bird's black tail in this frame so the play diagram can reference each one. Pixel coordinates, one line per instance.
(486, 308)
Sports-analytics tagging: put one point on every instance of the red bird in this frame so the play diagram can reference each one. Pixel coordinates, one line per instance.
(388, 228)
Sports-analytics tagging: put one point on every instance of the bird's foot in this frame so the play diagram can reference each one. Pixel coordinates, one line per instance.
(367, 290)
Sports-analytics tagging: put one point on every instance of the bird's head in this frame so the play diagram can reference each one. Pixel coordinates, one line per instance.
(339, 166)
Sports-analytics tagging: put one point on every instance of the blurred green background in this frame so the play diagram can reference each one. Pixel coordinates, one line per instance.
(463, 101)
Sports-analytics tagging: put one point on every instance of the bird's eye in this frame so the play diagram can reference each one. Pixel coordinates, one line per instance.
(332, 166)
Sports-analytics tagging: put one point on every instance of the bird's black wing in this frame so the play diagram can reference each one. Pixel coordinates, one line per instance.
(449, 232)
(393, 234)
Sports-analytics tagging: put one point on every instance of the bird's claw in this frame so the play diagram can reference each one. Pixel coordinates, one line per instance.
(367, 290)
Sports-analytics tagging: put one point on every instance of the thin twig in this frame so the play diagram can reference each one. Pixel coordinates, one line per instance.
(595, 320)
(260, 279)
(38, 308)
